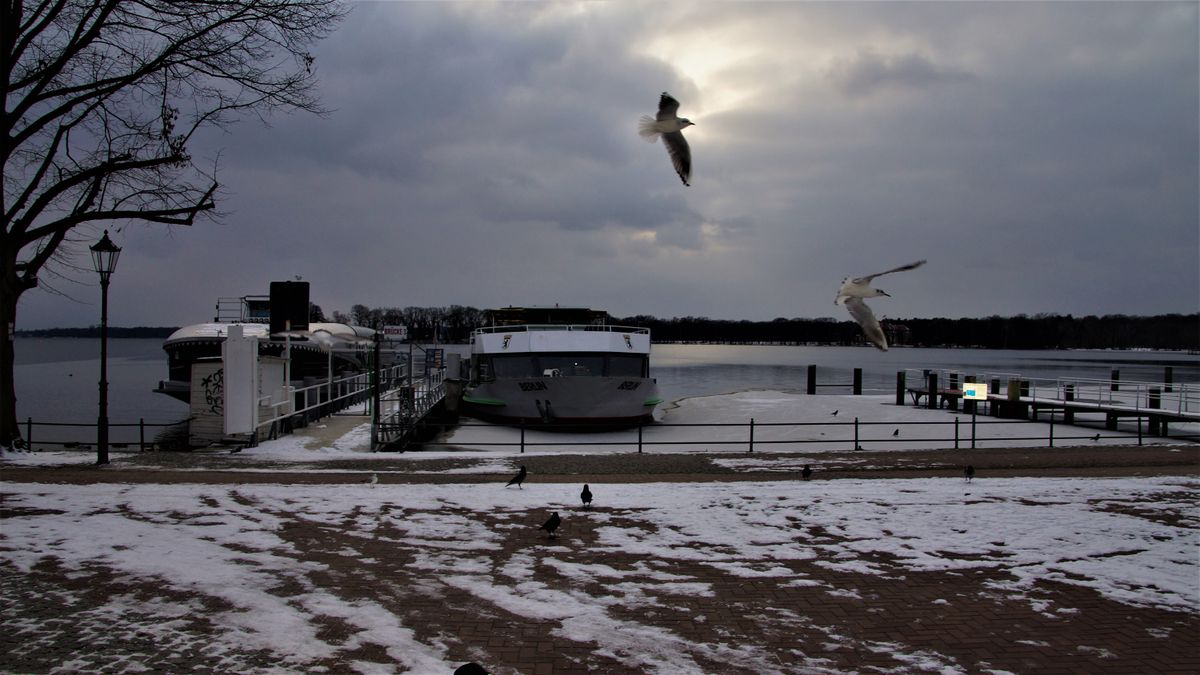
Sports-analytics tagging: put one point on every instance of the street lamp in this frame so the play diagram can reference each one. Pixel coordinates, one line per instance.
(104, 259)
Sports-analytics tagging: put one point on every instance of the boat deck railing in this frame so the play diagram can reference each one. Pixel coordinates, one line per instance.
(530, 327)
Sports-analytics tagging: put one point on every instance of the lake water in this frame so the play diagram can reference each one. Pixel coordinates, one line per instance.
(57, 378)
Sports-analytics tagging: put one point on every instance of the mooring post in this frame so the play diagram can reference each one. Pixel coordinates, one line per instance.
(1115, 381)
(1154, 402)
(972, 429)
(857, 386)
(1168, 378)
(1068, 396)
(751, 434)
(812, 379)
(953, 402)
(933, 391)
(899, 387)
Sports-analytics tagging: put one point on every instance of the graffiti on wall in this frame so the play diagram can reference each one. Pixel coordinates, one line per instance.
(214, 392)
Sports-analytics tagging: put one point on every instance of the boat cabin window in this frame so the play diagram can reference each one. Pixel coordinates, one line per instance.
(561, 365)
(572, 365)
(627, 366)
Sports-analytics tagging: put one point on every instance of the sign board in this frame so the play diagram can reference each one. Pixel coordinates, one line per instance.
(395, 332)
(975, 391)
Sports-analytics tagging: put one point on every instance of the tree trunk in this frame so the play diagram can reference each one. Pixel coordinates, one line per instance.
(10, 431)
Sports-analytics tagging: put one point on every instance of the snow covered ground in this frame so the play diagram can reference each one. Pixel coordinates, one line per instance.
(1134, 541)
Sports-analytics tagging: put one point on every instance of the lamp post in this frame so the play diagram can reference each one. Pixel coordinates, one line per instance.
(104, 259)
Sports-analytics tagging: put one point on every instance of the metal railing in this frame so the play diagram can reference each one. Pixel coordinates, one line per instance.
(958, 434)
(323, 398)
(121, 436)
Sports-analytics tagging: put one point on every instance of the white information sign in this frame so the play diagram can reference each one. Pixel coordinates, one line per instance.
(976, 391)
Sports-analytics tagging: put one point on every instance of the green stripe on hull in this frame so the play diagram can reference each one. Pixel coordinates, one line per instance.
(653, 401)
(483, 401)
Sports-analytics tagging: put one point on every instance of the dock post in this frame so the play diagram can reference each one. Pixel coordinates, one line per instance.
(857, 387)
(1115, 381)
(1068, 396)
(969, 406)
(953, 402)
(1168, 378)
(1154, 402)
(751, 435)
(812, 379)
(933, 391)
(899, 387)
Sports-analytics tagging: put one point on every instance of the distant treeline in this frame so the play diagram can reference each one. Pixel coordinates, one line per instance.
(1040, 331)
(94, 332)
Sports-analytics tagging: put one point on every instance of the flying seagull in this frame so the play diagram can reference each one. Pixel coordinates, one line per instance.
(586, 496)
(851, 295)
(670, 126)
(517, 479)
(551, 524)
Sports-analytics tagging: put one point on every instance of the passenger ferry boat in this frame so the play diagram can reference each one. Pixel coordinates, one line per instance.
(317, 351)
(560, 366)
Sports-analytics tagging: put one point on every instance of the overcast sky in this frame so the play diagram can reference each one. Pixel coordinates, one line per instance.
(1042, 156)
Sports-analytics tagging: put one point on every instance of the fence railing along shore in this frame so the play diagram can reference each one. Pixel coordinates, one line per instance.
(955, 432)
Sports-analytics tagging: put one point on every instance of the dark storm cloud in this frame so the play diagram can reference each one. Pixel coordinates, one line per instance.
(1042, 156)
(867, 72)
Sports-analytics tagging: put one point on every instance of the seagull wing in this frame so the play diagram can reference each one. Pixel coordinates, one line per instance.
(668, 107)
(866, 319)
(910, 266)
(681, 154)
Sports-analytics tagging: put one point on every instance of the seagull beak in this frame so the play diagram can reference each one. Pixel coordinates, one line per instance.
(885, 293)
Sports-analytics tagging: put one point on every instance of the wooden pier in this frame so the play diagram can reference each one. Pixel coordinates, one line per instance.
(1159, 403)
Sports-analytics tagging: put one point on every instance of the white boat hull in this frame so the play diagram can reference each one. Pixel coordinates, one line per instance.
(564, 401)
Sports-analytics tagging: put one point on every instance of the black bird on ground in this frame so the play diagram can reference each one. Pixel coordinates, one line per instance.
(834, 413)
(551, 524)
(969, 472)
(517, 479)
(471, 668)
(1096, 437)
(586, 496)
(806, 473)
(896, 432)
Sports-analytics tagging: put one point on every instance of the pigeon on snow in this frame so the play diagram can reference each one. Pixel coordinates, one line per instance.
(670, 126)
(852, 293)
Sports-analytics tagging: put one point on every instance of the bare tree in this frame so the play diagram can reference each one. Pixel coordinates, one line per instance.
(101, 101)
